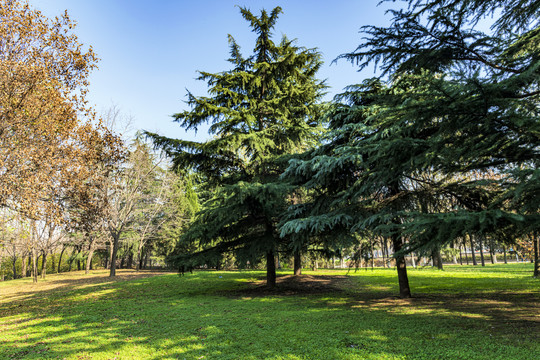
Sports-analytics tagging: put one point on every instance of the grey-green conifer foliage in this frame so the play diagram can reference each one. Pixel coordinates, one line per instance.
(264, 108)
(445, 143)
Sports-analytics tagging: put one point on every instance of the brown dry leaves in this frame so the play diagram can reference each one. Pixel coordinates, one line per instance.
(49, 157)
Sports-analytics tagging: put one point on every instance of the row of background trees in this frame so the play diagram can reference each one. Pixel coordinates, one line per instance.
(70, 187)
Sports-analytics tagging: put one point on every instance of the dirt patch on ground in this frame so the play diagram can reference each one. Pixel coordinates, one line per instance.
(22, 289)
(289, 285)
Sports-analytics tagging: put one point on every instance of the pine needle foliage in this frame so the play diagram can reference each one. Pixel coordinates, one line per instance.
(445, 143)
(265, 107)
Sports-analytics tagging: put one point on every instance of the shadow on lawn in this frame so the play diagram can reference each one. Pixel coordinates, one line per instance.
(225, 316)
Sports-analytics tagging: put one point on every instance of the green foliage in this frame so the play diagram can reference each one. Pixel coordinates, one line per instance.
(445, 143)
(262, 109)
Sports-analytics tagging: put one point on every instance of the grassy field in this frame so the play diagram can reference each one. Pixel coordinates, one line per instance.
(459, 313)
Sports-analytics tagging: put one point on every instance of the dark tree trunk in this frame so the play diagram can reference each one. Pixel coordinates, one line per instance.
(297, 263)
(15, 265)
(481, 243)
(34, 266)
(472, 251)
(404, 289)
(111, 247)
(122, 261)
(140, 262)
(130, 258)
(44, 265)
(373, 254)
(270, 269)
(60, 259)
(504, 255)
(460, 256)
(145, 262)
(536, 272)
(492, 254)
(116, 241)
(437, 258)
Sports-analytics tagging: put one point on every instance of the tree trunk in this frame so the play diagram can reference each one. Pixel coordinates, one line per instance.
(373, 254)
(34, 266)
(437, 258)
(297, 263)
(15, 265)
(130, 257)
(504, 255)
(460, 256)
(116, 241)
(472, 251)
(139, 259)
(111, 247)
(145, 262)
(403, 280)
(270, 269)
(481, 243)
(24, 266)
(492, 255)
(60, 259)
(44, 265)
(91, 250)
(383, 252)
(536, 244)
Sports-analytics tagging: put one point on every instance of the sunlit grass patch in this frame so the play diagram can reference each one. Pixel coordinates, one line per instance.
(458, 313)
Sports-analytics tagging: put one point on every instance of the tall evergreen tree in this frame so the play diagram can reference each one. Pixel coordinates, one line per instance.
(459, 105)
(468, 105)
(262, 109)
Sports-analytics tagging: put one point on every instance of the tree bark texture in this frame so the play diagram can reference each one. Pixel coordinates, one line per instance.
(297, 263)
(270, 269)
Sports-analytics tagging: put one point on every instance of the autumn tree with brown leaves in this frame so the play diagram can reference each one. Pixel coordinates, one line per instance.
(50, 140)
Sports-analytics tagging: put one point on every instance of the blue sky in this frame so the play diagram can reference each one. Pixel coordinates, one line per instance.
(150, 51)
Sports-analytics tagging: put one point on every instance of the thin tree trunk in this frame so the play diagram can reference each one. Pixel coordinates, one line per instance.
(481, 243)
(472, 251)
(139, 259)
(384, 251)
(111, 250)
(492, 254)
(34, 266)
(536, 244)
(145, 262)
(15, 265)
(297, 263)
(504, 255)
(372, 254)
(116, 241)
(270, 269)
(60, 259)
(460, 255)
(24, 266)
(44, 265)
(91, 250)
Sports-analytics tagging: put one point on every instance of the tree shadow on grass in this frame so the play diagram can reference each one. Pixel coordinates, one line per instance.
(228, 316)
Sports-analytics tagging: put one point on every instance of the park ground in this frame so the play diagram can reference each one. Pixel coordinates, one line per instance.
(463, 312)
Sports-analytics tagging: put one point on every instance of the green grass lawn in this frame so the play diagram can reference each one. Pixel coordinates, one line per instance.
(459, 313)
